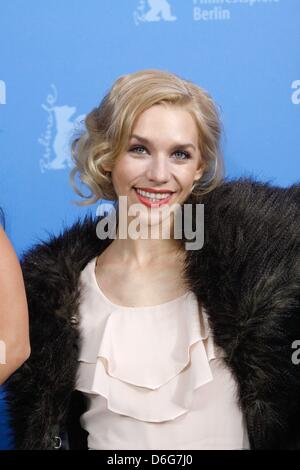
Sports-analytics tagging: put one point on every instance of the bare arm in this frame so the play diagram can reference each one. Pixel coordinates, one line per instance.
(14, 331)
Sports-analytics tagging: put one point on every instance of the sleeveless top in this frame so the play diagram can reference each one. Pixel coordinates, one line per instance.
(153, 376)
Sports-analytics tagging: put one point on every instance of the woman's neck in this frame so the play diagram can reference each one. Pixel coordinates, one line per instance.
(142, 253)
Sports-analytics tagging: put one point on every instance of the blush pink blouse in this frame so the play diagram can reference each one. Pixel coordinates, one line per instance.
(153, 376)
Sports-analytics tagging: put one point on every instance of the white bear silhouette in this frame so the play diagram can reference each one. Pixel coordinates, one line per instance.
(64, 129)
(159, 7)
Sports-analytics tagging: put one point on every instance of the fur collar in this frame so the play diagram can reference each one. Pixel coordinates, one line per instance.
(247, 275)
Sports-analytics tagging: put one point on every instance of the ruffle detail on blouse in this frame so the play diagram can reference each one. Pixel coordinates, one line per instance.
(146, 362)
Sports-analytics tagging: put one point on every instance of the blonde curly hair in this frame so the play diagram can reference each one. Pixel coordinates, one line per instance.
(109, 126)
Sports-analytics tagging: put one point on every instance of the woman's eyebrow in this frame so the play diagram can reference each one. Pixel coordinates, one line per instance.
(146, 141)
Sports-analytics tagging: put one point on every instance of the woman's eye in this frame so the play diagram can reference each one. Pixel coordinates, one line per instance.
(133, 149)
(184, 155)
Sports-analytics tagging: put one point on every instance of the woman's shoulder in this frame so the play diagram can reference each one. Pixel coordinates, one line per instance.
(247, 191)
(51, 268)
(243, 212)
(72, 248)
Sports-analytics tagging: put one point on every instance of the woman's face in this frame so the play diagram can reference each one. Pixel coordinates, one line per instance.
(162, 160)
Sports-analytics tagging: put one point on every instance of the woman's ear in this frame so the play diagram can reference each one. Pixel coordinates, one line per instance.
(198, 173)
(200, 168)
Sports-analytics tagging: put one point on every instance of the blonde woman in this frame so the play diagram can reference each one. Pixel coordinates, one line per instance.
(153, 342)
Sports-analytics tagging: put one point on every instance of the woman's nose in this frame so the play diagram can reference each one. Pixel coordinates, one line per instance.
(159, 170)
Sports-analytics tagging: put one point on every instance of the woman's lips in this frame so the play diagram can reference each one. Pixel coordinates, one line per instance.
(149, 203)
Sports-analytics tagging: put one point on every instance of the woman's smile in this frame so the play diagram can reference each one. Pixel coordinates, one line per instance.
(151, 198)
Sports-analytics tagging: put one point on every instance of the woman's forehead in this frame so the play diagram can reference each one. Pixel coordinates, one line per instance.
(172, 124)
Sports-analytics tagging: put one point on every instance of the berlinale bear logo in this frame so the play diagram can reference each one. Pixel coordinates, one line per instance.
(158, 10)
(61, 127)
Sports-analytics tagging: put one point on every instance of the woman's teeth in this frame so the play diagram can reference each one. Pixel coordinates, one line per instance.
(153, 196)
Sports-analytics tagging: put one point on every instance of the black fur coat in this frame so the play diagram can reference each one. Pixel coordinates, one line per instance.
(247, 275)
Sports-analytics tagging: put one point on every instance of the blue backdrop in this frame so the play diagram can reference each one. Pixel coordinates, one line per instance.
(58, 58)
